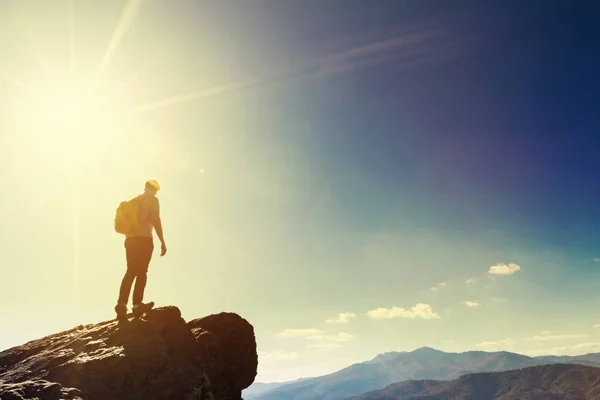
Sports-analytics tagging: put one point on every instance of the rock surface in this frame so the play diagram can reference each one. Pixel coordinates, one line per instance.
(162, 357)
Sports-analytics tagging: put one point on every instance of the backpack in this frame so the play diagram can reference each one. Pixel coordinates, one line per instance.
(126, 218)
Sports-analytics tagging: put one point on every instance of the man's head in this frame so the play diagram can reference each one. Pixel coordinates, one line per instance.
(152, 186)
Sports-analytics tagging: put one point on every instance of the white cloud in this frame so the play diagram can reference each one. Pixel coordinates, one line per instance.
(504, 269)
(338, 338)
(508, 342)
(593, 345)
(499, 299)
(324, 347)
(419, 310)
(343, 336)
(596, 326)
(471, 304)
(548, 336)
(271, 357)
(555, 351)
(293, 333)
(328, 342)
(319, 339)
(577, 349)
(438, 286)
(597, 259)
(471, 281)
(342, 318)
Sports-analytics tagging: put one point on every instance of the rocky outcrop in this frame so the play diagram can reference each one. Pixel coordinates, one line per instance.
(161, 357)
(40, 389)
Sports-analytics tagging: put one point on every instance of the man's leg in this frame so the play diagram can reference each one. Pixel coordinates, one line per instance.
(143, 257)
(126, 284)
(140, 285)
(127, 281)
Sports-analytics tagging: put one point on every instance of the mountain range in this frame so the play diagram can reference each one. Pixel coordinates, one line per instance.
(547, 382)
(425, 364)
(258, 388)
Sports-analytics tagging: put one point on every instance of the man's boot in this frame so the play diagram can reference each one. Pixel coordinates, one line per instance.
(141, 308)
(121, 310)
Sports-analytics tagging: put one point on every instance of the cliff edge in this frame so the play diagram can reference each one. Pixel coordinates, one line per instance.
(163, 357)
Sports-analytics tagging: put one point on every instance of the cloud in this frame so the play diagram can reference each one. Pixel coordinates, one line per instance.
(294, 333)
(271, 357)
(471, 304)
(508, 342)
(593, 345)
(555, 351)
(324, 347)
(438, 286)
(340, 337)
(596, 326)
(342, 318)
(577, 349)
(320, 340)
(343, 336)
(549, 336)
(329, 342)
(471, 281)
(597, 259)
(419, 310)
(499, 299)
(504, 269)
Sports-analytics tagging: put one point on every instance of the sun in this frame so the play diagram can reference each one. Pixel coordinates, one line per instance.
(66, 109)
(70, 122)
(69, 104)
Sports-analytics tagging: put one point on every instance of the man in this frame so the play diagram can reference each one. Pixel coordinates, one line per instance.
(139, 246)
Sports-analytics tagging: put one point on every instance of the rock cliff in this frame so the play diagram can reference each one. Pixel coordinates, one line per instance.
(161, 357)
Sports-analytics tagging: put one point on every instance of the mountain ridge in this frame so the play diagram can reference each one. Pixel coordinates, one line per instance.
(424, 363)
(542, 382)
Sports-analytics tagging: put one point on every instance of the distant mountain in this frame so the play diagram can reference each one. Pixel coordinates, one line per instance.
(258, 388)
(422, 364)
(592, 359)
(546, 382)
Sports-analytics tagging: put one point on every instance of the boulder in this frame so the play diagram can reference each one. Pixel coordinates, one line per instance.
(161, 357)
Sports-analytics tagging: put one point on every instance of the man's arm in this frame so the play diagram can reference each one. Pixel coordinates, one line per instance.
(157, 223)
(159, 230)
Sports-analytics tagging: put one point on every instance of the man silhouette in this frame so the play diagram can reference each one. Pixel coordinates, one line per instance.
(138, 252)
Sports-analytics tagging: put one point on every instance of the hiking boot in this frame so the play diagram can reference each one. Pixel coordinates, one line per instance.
(141, 308)
(121, 310)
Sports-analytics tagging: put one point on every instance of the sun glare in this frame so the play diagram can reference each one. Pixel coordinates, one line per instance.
(65, 109)
(70, 105)
(69, 123)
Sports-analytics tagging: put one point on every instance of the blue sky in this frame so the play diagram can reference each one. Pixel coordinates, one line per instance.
(321, 163)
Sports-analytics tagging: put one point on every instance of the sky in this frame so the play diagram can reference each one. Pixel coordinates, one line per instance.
(351, 177)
